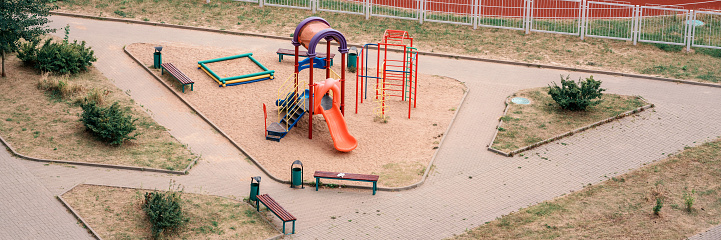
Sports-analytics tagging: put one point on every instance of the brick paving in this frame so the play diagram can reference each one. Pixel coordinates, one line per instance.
(28, 210)
(469, 185)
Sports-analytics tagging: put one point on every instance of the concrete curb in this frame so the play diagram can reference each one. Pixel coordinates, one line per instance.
(202, 116)
(557, 137)
(279, 236)
(534, 65)
(75, 213)
(121, 167)
(425, 175)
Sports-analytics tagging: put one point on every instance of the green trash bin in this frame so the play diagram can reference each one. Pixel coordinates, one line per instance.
(254, 188)
(296, 174)
(352, 58)
(157, 58)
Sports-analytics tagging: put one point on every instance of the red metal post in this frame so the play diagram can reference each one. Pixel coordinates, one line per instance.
(356, 86)
(327, 61)
(310, 99)
(378, 68)
(296, 70)
(403, 92)
(265, 120)
(415, 90)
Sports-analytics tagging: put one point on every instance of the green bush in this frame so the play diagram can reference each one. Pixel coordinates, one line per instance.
(688, 199)
(110, 124)
(657, 208)
(57, 57)
(164, 212)
(576, 97)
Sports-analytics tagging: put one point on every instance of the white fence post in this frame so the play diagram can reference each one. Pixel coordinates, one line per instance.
(475, 13)
(584, 21)
(421, 10)
(637, 15)
(313, 5)
(690, 25)
(529, 16)
(367, 8)
(261, 2)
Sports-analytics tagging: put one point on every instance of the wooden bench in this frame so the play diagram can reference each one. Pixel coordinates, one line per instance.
(276, 209)
(348, 176)
(177, 74)
(290, 52)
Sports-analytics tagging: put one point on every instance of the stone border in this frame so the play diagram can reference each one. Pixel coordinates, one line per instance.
(479, 59)
(95, 234)
(581, 129)
(75, 213)
(120, 167)
(274, 178)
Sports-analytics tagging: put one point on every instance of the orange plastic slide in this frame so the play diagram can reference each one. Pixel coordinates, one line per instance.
(342, 140)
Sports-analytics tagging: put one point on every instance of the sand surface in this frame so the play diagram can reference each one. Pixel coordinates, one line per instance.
(398, 151)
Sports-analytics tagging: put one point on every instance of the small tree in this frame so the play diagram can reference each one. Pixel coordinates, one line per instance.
(22, 19)
(571, 96)
(164, 212)
(110, 124)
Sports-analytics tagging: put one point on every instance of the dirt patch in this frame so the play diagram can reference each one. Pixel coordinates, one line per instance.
(43, 124)
(622, 207)
(398, 146)
(526, 124)
(117, 213)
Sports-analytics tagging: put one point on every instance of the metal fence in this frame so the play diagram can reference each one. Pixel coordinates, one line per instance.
(583, 18)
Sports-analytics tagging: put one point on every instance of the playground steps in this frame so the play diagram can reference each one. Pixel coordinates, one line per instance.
(277, 131)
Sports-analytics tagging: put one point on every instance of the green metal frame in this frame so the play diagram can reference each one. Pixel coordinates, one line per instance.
(257, 208)
(375, 183)
(223, 80)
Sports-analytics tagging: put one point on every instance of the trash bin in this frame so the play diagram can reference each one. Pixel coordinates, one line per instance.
(254, 188)
(352, 58)
(296, 174)
(157, 58)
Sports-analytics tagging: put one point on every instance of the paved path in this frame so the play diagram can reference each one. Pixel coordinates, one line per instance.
(450, 201)
(27, 209)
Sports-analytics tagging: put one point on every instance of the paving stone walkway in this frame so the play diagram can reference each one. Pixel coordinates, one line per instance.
(469, 185)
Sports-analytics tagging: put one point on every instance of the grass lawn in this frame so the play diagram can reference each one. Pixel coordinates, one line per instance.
(541, 48)
(622, 207)
(45, 124)
(524, 125)
(116, 213)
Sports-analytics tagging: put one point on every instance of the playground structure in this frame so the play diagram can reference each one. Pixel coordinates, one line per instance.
(324, 97)
(237, 80)
(394, 77)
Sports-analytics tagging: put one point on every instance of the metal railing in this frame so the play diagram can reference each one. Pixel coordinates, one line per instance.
(583, 18)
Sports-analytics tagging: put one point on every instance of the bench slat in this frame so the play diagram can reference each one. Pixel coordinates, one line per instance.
(353, 176)
(276, 208)
(180, 76)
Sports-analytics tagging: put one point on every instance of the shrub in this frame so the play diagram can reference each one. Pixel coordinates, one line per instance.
(571, 96)
(57, 57)
(59, 87)
(164, 212)
(110, 124)
(657, 208)
(689, 199)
